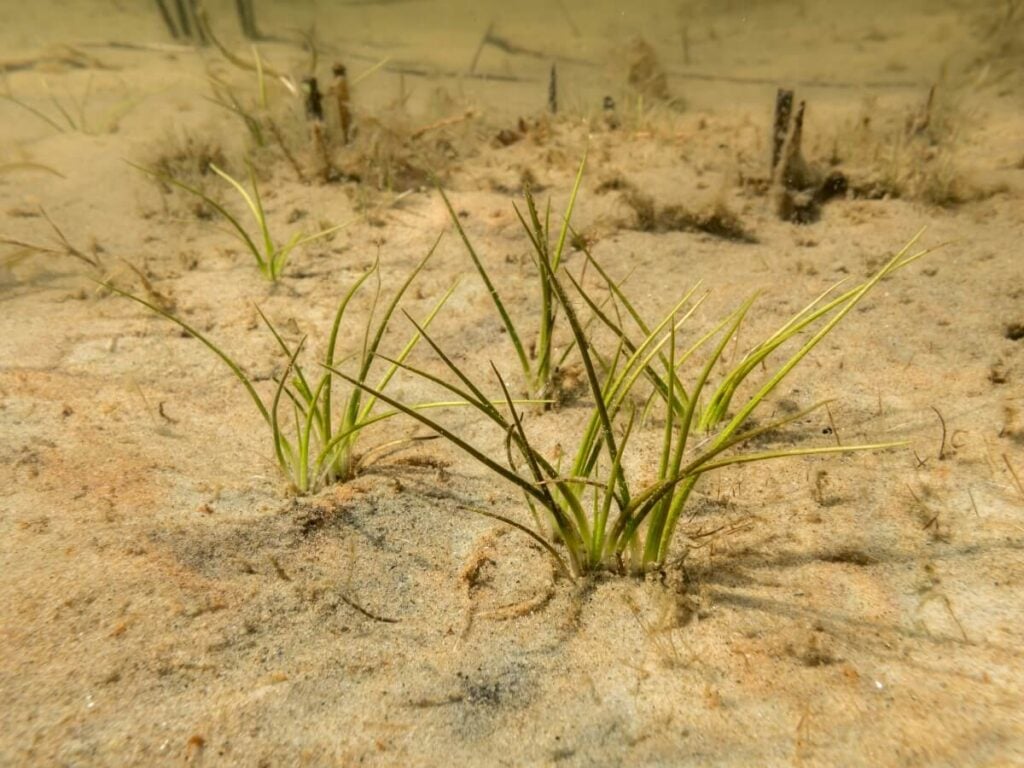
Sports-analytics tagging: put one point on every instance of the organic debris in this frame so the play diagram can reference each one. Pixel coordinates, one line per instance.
(715, 219)
(645, 74)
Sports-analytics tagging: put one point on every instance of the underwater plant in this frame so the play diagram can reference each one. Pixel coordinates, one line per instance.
(270, 255)
(71, 112)
(60, 247)
(603, 518)
(538, 363)
(314, 447)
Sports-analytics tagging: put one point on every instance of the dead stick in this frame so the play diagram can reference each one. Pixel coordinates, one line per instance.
(340, 90)
(469, 115)
(368, 614)
(783, 114)
(276, 132)
(553, 90)
(942, 445)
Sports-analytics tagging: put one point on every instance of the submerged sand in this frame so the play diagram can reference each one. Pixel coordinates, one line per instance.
(167, 599)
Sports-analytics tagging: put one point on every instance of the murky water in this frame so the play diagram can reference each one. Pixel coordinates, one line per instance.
(167, 598)
(500, 54)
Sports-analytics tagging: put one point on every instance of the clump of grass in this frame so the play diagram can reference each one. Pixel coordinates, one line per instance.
(70, 113)
(274, 126)
(390, 150)
(603, 518)
(315, 446)
(271, 256)
(394, 151)
(187, 157)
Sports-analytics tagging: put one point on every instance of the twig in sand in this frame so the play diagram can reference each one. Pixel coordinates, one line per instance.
(275, 131)
(368, 614)
(469, 114)
(63, 54)
(942, 445)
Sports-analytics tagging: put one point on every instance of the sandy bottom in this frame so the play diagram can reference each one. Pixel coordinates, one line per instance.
(166, 598)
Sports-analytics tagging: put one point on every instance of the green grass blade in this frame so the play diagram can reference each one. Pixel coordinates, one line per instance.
(254, 203)
(746, 458)
(667, 442)
(306, 435)
(279, 257)
(370, 350)
(301, 383)
(510, 328)
(639, 362)
(478, 397)
(567, 216)
(562, 566)
(411, 344)
(332, 341)
(241, 232)
(574, 536)
(60, 107)
(324, 232)
(481, 402)
(540, 375)
(896, 262)
(409, 347)
(719, 404)
(290, 464)
(595, 386)
(659, 523)
(677, 501)
(323, 457)
(629, 344)
(450, 436)
(229, 362)
(598, 543)
(29, 108)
